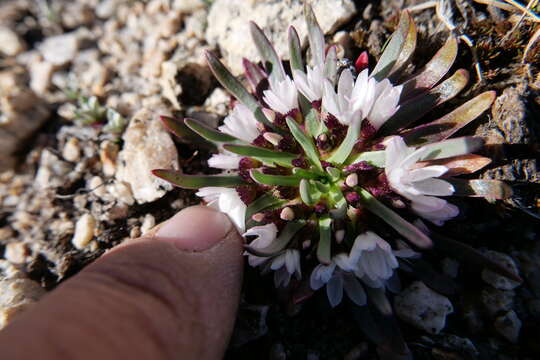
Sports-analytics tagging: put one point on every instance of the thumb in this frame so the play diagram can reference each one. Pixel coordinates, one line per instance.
(172, 294)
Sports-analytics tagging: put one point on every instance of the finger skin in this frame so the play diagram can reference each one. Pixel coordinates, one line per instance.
(150, 299)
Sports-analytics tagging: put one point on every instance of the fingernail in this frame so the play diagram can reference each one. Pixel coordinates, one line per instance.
(196, 228)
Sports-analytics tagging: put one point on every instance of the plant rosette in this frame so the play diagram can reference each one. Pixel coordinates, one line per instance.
(327, 173)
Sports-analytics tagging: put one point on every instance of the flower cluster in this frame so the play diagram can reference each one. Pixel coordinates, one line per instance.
(323, 173)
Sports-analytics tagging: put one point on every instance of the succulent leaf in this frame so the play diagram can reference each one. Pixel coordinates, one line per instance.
(197, 181)
(325, 237)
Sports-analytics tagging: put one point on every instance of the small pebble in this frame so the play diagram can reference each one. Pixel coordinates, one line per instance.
(84, 231)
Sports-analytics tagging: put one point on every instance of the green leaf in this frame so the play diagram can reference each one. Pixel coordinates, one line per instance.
(330, 65)
(493, 189)
(417, 107)
(305, 142)
(295, 50)
(306, 174)
(281, 242)
(392, 51)
(325, 237)
(180, 129)
(347, 145)
(273, 64)
(449, 124)
(315, 35)
(279, 180)
(279, 157)
(231, 83)
(334, 173)
(406, 52)
(338, 202)
(313, 123)
(434, 70)
(375, 158)
(308, 193)
(264, 202)
(211, 134)
(405, 228)
(452, 147)
(197, 181)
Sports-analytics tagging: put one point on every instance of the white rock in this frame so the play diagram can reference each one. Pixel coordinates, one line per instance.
(51, 171)
(10, 43)
(509, 326)
(60, 49)
(72, 150)
(147, 146)
(122, 192)
(496, 280)
(16, 295)
(84, 231)
(228, 24)
(423, 308)
(148, 223)
(108, 154)
(15, 252)
(187, 6)
(95, 184)
(40, 76)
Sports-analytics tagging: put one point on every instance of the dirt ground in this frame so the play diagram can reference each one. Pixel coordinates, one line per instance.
(74, 74)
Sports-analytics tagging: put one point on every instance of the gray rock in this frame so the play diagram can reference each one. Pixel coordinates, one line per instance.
(496, 301)
(508, 325)
(10, 42)
(147, 146)
(228, 24)
(61, 49)
(423, 308)
(496, 280)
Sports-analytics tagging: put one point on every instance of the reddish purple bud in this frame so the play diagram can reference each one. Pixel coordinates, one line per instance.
(317, 105)
(367, 130)
(326, 164)
(323, 142)
(254, 74)
(286, 192)
(361, 62)
(320, 208)
(300, 163)
(262, 142)
(247, 193)
(248, 163)
(287, 144)
(352, 197)
(359, 166)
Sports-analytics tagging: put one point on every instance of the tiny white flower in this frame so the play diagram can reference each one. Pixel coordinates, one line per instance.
(225, 161)
(418, 184)
(312, 84)
(363, 98)
(373, 259)
(227, 201)
(337, 277)
(266, 234)
(282, 95)
(241, 123)
(385, 104)
(285, 265)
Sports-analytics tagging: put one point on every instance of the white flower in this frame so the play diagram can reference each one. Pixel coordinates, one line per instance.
(241, 123)
(228, 202)
(418, 184)
(312, 84)
(363, 98)
(373, 259)
(285, 265)
(385, 104)
(225, 161)
(266, 234)
(338, 277)
(282, 95)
